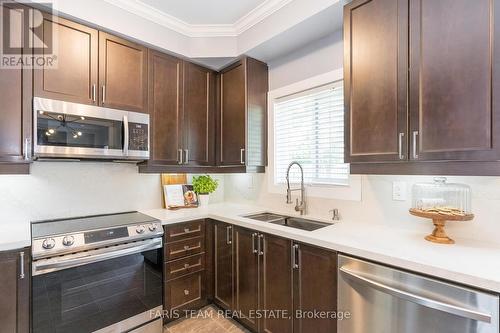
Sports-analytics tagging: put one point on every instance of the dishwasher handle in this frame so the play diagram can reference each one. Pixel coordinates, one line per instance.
(424, 301)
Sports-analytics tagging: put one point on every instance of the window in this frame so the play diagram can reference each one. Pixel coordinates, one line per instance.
(309, 129)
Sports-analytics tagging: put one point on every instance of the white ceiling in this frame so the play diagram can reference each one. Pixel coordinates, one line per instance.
(205, 11)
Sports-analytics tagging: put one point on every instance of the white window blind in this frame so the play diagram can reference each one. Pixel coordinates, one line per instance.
(309, 129)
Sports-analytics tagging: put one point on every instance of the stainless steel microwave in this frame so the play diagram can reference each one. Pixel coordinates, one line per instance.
(70, 130)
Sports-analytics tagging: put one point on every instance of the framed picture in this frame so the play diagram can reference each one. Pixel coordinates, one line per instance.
(180, 196)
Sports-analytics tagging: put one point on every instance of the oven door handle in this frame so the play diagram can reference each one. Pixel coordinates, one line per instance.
(43, 266)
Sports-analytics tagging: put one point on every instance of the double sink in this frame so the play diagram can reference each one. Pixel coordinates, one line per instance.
(287, 221)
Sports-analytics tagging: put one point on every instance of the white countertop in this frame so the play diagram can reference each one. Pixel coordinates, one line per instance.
(468, 262)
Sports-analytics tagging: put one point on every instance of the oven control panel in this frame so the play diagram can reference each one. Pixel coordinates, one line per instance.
(138, 137)
(60, 244)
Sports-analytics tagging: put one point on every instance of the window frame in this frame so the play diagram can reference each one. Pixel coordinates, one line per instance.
(351, 191)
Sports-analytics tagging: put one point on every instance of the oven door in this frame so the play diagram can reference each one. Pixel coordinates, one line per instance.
(70, 130)
(115, 289)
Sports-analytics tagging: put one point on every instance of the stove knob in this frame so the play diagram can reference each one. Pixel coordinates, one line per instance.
(48, 243)
(152, 227)
(68, 240)
(140, 229)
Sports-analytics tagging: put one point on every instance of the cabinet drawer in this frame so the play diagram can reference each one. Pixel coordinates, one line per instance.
(184, 248)
(184, 230)
(180, 267)
(185, 291)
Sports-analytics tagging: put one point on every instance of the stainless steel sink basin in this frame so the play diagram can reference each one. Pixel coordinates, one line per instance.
(287, 221)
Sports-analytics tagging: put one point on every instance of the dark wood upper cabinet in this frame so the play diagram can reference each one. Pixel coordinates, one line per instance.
(74, 78)
(276, 284)
(199, 115)
(375, 80)
(223, 265)
(454, 52)
(242, 119)
(165, 107)
(246, 276)
(123, 77)
(315, 288)
(15, 94)
(15, 291)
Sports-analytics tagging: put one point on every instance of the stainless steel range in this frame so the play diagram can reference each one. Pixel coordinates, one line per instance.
(98, 274)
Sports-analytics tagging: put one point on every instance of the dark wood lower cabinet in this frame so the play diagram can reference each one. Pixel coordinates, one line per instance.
(246, 276)
(223, 265)
(276, 285)
(314, 289)
(15, 291)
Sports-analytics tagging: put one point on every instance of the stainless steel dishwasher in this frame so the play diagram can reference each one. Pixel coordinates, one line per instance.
(386, 300)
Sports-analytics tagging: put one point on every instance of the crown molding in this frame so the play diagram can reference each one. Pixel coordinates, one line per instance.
(256, 15)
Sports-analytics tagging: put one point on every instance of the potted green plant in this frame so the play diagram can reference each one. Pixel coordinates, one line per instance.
(203, 186)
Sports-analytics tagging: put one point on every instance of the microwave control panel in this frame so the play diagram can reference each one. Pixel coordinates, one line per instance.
(138, 136)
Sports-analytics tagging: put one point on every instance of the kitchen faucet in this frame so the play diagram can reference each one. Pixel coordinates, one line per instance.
(302, 206)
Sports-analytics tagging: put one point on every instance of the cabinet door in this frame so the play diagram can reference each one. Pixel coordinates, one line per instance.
(74, 77)
(15, 291)
(15, 96)
(165, 107)
(246, 276)
(199, 116)
(315, 288)
(276, 285)
(122, 73)
(232, 124)
(454, 52)
(375, 80)
(223, 262)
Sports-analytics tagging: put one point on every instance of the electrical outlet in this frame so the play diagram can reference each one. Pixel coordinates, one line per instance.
(250, 182)
(399, 191)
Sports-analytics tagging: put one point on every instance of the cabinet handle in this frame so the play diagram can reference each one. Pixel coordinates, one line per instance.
(295, 256)
(415, 151)
(242, 155)
(103, 94)
(27, 150)
(261, 245)
(179, 151)
(254, 248)
(229, 239)
(21, 263)
(94, 93)
(186, 160)
(400, 146)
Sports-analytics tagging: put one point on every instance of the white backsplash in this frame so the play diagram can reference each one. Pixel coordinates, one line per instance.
(377, 206)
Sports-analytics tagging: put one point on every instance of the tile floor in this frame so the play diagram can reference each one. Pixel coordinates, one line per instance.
(207, 321)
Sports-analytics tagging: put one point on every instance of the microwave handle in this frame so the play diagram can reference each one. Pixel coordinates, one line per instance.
(125, 136)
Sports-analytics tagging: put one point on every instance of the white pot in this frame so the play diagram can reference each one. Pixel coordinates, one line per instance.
(203, 199)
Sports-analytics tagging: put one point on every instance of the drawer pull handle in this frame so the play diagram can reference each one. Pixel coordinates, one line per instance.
(186, 292)
(186, 266)
(186, 248)
(185, 232)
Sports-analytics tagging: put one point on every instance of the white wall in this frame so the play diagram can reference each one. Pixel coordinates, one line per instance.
(376, 206)
(66, 189)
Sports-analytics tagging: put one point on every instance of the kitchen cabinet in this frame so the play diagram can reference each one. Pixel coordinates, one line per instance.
(182, 109)
(449, 123)
(15, 290)
(223, 265)
(314, 288)
(15, 94)
(242, 117)
(246, 276)
(375, 90)
(184, 267)
(276, 284)
(74, 77)
(165, 108)
(123, 77)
